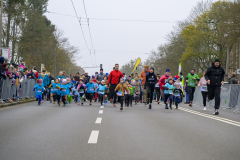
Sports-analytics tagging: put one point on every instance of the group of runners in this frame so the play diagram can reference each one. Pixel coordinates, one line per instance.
(116, 87)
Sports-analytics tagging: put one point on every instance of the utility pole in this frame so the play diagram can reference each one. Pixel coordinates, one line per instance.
(1, 25)
(55, 57)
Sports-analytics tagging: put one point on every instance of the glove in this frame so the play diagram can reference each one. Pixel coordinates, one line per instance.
(116, 90)
(183, 95)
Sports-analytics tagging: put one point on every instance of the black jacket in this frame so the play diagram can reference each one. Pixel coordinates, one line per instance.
(233, 80)
(215, 75)
(50, 79)
(87, 78)
(151, 80)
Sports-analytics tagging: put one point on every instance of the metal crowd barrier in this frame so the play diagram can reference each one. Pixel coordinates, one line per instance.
(9, 89)
(230, 98)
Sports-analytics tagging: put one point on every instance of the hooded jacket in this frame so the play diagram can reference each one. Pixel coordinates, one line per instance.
(122, 88)
(215, 75)
(143, 76)
(137, 85)
(163, 80)
(45, 79)
(151, 80)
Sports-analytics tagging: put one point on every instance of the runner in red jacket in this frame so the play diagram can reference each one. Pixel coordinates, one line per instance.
(114, 79)
(163, 80)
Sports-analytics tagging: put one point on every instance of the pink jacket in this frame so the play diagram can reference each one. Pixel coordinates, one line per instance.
(202, 82)
(162, 81)
(80, 86)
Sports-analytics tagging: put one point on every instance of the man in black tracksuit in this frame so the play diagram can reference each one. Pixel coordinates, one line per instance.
(151, 80)
(215, 78)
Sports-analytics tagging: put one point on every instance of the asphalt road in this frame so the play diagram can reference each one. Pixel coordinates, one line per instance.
(50, 132)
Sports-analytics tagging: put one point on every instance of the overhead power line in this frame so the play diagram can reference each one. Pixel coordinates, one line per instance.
(90, 32)
(82, 30)
(104, 19)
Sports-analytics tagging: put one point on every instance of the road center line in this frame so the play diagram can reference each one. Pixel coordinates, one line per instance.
(99, 121)
(100, 111)
(93, 137)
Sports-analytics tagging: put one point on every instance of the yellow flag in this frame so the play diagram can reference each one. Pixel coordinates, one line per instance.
(137, 63)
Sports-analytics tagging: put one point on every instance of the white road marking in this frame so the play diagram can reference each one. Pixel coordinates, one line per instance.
(102, 107)
(235, 123)
(99, 120)
(100, 111)
(93, 137)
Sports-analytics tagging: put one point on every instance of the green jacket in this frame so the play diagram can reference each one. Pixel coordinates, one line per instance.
(192, 82)
(133, 90)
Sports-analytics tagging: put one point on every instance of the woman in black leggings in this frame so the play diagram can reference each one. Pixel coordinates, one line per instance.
(151, 80)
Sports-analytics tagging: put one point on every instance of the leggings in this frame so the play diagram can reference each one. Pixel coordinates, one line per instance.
(39, 98)
(90, 97)
(170, 96)
(56, 97)
(101, 98)
(191, 93)
(121, 100)
(81, 97)
(157, 89)
(150, 90)
(64, 98)
(113, 93)
(204, 95)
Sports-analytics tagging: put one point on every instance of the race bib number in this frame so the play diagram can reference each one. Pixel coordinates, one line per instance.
(151, 79)
(101, 92)
(51, 89)
(81, 91)
(177, 94)
(55, 89)
(64, 89)
(204, 88)
(192, 83)
(170, 91)
(39, 90)
(119, 93)
(166, 80)
(91, 89)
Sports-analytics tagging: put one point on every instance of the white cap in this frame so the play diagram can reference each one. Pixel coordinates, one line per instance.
(64, 80)
(102, 81)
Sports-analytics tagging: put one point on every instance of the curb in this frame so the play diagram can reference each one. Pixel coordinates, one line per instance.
(15, 103)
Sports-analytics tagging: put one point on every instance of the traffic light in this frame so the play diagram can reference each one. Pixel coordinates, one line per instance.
(100, 66)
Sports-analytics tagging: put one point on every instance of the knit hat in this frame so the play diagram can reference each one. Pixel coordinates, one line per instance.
(146, 66)
(102, 81)
(216, 60)
(40, 81)
(152, 68)
(52, 81)
(167, 70)
(193, 69)
(106, 74)
(170, 79)
(64, 80)
(124, 74)
(94, 80)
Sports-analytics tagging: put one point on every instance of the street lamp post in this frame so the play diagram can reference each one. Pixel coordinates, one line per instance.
(1, 24)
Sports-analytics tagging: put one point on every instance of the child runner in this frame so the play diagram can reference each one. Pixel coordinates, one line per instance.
(90, 90)
(64, 91)
(168, 92)
(69, 94)
(56, 92)
(107, 91)
(38, 89)
(120, 90)
(81, 91)
(157, 89)
(203, 84)
(177, 92)
(101, 92)
(132, 92)
(51, 91)
(127, 96)
(137, 84)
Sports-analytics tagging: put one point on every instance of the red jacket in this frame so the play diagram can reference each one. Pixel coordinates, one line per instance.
(162, 81)
(114, 77)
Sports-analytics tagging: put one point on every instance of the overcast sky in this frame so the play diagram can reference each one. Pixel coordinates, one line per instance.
(117, 41)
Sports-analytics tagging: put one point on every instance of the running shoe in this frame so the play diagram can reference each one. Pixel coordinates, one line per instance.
(205, 108)
(50, 101)
(53, 102)
(166, 107)
(59, 104)
(170, 107)
(150, 106)
(121, 108)
(114, 105)
(63, 105)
